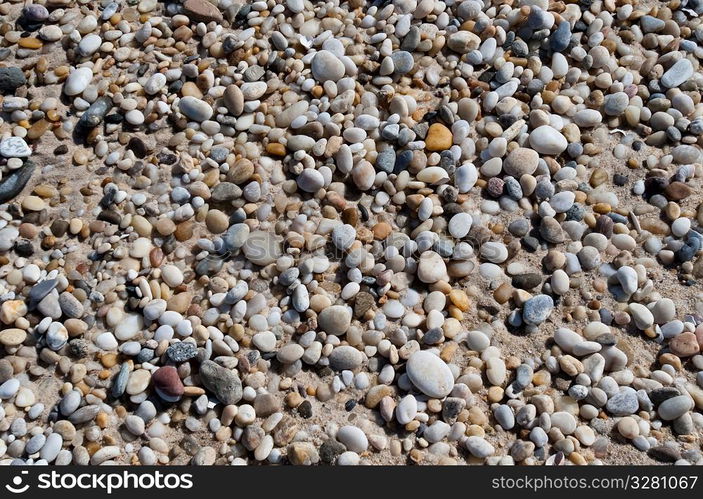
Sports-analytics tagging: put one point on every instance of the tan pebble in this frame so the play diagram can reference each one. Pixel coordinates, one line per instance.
(448, 351)
(628, 427)
(28, 230)
(319, 302)
(670, 359)
(38, 129)
(503, 293)
(434, 405)
(512, 362)
(276, 149)
(75, 327)
(577, 459)
(193, 391)
(30, 43)
(598, 177)
(475, 430)
(12, 337)
(165, 226)
(184, 231)
(75, 225)
(216, 221)
(33, 203)
(141, 225)
(416, 455)
(191, 89)
(541, 378)
(12, 310)
(240, 172)
(477, 416)
(439, 138)
(293, 400)
(179, 302)
(381, 230)
(80, 157)
(109, 360)
(459, 299)
(495, 394)
(376, 393)
(324, 392)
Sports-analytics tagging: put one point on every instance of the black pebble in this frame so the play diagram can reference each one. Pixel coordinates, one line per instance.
(305, 409)
(619, 179)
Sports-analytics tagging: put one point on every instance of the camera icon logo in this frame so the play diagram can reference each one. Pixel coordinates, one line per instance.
(16, 487)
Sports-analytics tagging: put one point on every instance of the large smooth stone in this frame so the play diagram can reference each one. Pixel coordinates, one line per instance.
(430, 374)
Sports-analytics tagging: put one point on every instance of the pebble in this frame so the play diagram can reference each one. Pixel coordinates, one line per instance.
(641, 315)
(264, 341)
(35, 13)
(261, 248)
(78, 81)
(168, 384)
(343, 236)
(685, 345)
(674, 408)
(459, 225)
(353, 438)
(430, 374)
(326, 66)
(138, 381)
(623, 403)
(547, 140)
(181, 351)
(222, 382)
(431, 268)
(12, 78)
(521, 161)
(678, 73)
(439, 138)
(479, 447)
(334, 320)
(311, 180)
(406, 410)
(14, 147)
(537, 309)
(345, 357)
(195, 109)
(9, 388)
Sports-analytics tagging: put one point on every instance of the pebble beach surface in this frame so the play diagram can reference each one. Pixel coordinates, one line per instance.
(357, 232)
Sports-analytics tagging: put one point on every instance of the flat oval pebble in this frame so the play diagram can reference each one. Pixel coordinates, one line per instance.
(430, 374)
(547, 140)
(194, 108)
(537, 309)
(78, 81)
(327, 67)
(334, 320)
(674, 407)
(353, 438)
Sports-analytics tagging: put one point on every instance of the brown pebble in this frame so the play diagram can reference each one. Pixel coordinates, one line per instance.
(684, 345)
(676, 191)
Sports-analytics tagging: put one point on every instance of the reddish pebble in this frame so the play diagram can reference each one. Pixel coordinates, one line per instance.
(167, 383)
(684, 345)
